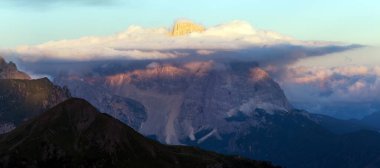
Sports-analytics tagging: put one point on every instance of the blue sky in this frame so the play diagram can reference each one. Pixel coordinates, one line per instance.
(38, 21)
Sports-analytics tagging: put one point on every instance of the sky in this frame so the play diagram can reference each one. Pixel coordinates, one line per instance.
(30, 22)
(283, 35)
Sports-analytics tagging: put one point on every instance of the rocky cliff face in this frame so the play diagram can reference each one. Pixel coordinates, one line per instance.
(9, 71)
(182, 99)
(75, 134)
(125, 109)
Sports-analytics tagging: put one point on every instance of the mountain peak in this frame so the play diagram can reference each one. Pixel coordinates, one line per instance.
(185, 27)
(10, 71)
(77, 113)
(258, 74)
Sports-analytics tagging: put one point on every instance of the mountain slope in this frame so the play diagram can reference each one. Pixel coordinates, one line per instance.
(9, 71)
(75, 134)
(22, 98)
(294, 140)
(340, 126)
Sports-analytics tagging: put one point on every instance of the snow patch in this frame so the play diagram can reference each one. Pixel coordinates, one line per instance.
(191, 134)
(252, 104)
(214, 132)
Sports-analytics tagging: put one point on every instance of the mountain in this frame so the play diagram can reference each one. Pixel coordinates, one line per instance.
(341, 110)
(341, 126)
(182, 99)
(231, 107)
(294, 140)
(125, 109)
(22, 98)
(75, 134)
(9, 71)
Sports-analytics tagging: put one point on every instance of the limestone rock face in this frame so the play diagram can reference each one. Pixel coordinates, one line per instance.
(184, 27)
(9, 71)
(183, 99)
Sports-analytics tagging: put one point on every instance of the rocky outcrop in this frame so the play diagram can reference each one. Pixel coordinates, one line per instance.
(9, 71)
(185, 27)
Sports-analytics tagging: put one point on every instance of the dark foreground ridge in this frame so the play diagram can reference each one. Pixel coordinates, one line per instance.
(75, 134)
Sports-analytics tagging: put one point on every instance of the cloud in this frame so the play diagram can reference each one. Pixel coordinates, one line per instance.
(137, 42)
(357, 86)
(349, 83)
(343, 84)
(353, 71)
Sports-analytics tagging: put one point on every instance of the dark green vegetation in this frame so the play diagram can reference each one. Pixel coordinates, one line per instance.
(75, 134)
(24, 99)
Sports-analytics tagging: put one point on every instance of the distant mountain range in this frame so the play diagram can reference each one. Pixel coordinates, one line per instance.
(340, 110)
(75, 134)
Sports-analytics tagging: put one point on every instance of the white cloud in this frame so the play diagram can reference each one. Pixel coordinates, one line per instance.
(151, 43)
(348, 83)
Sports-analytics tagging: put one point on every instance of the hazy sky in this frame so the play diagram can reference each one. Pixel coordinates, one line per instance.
(38, 21)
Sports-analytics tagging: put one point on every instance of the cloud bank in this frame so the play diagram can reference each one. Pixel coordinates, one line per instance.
(348, 83)
(156, 43)
(349, 90)
(236, 40)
